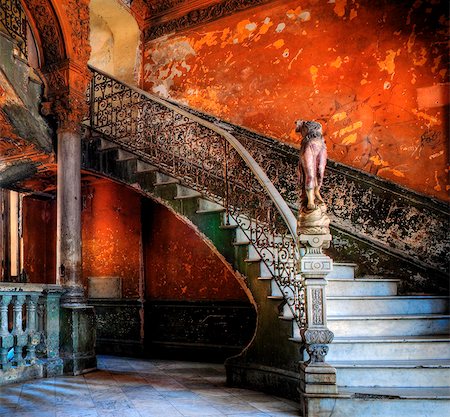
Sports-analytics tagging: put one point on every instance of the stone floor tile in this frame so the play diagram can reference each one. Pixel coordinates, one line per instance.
(235, 408)
(48, 413)
(272, 406)
(125, 387)
(77, 412)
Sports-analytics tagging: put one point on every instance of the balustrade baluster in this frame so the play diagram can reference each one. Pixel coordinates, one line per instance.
(18, 333)
(33, 334)
(6, 339)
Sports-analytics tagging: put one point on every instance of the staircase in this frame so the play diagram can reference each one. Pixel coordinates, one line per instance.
(391, 353)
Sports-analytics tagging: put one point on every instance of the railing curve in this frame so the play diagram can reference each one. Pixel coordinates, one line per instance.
(209, 159)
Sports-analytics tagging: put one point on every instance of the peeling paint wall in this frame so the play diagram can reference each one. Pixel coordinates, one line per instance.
(374, 73)
(179, 265)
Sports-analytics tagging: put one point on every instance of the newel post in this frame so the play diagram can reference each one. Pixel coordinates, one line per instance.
(317, 377)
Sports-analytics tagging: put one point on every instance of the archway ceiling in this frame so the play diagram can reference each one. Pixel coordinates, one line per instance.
(159, 17)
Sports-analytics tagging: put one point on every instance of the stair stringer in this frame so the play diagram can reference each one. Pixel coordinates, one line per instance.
(270, 361)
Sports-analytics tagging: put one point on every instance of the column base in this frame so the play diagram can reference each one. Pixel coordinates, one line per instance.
(317, 379)
(77, 339)
(53, 367)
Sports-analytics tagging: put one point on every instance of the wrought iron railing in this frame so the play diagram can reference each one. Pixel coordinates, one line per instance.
(29, 326)
(14, 21)
(208, 159)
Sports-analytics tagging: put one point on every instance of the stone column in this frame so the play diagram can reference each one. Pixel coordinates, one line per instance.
(77, 333)
(68, 235)
(77, 319)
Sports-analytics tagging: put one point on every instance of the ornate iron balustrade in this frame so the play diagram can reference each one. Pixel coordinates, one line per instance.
(29, 327)
(208, 159)
(14, 21)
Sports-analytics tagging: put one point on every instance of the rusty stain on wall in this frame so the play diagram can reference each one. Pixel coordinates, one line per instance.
(369, 71)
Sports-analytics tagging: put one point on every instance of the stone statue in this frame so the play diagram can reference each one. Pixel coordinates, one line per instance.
(313, 158)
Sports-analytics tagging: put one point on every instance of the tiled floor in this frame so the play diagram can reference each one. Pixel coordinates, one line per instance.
(141, 388)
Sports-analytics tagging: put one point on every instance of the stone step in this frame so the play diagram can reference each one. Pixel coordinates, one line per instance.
(424, 373)
(389, 325)
(376, 305)
(106, 145)
(342, 270)
(385, 348)
(163, 179)
(145, 167)
(207, 206)
(362, 287)
(387, 402)
(184, 192)
(125, 155)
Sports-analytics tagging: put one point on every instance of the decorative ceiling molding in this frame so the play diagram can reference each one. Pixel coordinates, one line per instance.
(175, 15)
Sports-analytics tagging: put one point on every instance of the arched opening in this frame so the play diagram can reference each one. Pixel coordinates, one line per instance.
(114, 40)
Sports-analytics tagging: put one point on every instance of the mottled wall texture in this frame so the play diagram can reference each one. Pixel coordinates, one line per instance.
(373, 72)
(39, 239)
(111, 233)
(179, 265)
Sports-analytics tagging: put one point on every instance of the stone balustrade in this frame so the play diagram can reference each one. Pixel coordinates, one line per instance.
(29, 331)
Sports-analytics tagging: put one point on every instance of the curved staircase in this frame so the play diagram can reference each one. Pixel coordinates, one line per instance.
(390, 352)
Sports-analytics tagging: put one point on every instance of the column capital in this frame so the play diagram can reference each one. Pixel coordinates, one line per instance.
(66, 98)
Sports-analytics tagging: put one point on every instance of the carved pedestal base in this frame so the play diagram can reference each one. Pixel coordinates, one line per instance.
(317, 378)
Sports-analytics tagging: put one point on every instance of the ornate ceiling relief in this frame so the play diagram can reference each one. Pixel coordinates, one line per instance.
(44, 20)
(159, 17)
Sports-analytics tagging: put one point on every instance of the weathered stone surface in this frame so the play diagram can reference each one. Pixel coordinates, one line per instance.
(77, 339)
(23, 98)
(14, 173)
(119, 326)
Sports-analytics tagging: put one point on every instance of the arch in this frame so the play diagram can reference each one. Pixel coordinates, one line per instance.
(47, 31)
(114, 40)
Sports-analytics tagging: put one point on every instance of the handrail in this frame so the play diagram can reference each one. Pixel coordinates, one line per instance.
(277, 199)
(207, 158)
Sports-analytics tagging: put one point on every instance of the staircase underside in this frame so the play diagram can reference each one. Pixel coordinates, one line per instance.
(391, 352)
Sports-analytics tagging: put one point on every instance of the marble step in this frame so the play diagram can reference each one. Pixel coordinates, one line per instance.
(362, 287)
(376, 305)
(387, 402)
(389, 325)
(385, 348)
(342, 270)
(424, 373)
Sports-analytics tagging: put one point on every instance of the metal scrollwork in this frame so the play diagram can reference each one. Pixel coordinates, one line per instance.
(14, 21)
(180, 145)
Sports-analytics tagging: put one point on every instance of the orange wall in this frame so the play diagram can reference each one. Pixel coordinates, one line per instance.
(39, 226)
(111, 233)
(179, 265)
(371, 71)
